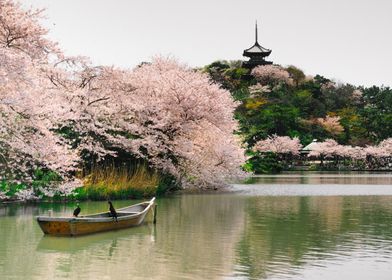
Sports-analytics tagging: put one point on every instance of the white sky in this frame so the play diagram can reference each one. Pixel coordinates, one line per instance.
(349, 40)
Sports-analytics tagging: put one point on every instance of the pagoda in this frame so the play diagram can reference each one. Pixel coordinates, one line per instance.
(256, 54)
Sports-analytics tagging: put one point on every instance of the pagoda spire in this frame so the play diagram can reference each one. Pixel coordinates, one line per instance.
(256, 53)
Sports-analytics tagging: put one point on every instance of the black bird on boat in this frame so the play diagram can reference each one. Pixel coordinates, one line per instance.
(113, 212)
(76, 211)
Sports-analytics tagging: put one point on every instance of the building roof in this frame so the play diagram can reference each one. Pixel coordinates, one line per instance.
(257, 49)
(310, 147)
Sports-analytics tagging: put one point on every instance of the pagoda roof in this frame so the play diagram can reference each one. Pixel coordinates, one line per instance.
(256, 48)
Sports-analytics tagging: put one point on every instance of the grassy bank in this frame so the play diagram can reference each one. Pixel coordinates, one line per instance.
(101, 183)
(112, 182)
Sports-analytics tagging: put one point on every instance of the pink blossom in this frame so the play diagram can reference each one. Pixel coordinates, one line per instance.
(309, 78)
(386, 145)
(20, 30)
(28, 119)
(328, 148)
(259, 89)
(356, 153)
(328, 85)
(172, 111)
(27, 194)
(271, 74)
(376, 152)
(3, 195)
(279, 144)
(357, 95)
(331, 124)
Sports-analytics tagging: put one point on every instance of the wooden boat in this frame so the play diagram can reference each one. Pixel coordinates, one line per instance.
(129, 216)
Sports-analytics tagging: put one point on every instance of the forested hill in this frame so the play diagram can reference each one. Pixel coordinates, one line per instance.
(285, 101)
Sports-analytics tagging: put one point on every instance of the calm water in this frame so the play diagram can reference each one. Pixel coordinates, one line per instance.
(275, 227)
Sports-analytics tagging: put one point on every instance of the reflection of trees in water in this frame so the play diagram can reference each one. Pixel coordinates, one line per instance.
(29, 209)
(198, 235)
(282, 233)
(25, 253)
(195, 236)
(351, 178)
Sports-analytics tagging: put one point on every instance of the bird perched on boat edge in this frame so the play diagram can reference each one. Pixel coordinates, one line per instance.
(113, 212)
(77, 210)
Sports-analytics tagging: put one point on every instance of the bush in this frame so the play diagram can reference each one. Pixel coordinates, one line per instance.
(10, 189)
(265, 163)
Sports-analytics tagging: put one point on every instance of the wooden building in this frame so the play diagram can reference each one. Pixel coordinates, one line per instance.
(256, 54)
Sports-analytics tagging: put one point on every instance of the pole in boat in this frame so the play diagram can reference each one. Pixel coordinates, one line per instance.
(154, 221)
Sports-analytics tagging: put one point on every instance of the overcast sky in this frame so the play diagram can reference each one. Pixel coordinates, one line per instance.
(348, 40)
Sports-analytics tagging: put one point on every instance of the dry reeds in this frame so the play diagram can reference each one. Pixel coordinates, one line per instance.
(113, 182)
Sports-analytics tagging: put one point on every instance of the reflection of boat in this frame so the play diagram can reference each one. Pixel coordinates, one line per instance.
(129, 216)
(103, 240)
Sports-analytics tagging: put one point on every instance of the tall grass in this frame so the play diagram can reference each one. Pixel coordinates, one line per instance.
(111, 182)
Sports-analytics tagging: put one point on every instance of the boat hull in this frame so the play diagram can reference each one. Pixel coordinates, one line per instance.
(93, 223)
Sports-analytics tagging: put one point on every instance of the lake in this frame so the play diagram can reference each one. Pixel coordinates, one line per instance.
(288, 226)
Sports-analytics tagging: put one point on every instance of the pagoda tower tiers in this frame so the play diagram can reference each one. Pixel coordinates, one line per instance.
(256, 54)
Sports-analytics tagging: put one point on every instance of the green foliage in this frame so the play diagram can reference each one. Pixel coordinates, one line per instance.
(303, 99)
(265, 163)
(166, 185)
(296, 74)
(338, 98)
(70, 134)
(377, 113)
(292, 109)
(101, 192)
(278, 119)
(11, 188)
(229, 74)
(43, 178)
(352, 122)
(240, 94)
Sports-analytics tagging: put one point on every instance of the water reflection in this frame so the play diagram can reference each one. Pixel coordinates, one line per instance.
(309, 178)
(105, 239)
(283, 235)
(220, 236)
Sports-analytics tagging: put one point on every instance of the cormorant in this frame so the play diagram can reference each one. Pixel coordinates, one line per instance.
(76, 211)
(113, 212)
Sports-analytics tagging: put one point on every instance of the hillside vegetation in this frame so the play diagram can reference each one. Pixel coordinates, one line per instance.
(284, 101)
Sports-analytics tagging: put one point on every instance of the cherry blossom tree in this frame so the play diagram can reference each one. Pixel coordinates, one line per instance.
(163, 112)
(357, 95)
(279, 144)
(328, 85)
(331, 124)
(27, 120)
(271, 75)
(329, 148)
(356, 153)
(386, 145)
(166, 113)
(376, 151)
(371, 157)
(258, 90)
(380, 155)
(21, 31)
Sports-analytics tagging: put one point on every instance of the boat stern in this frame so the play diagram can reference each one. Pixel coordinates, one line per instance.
(61, 228)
